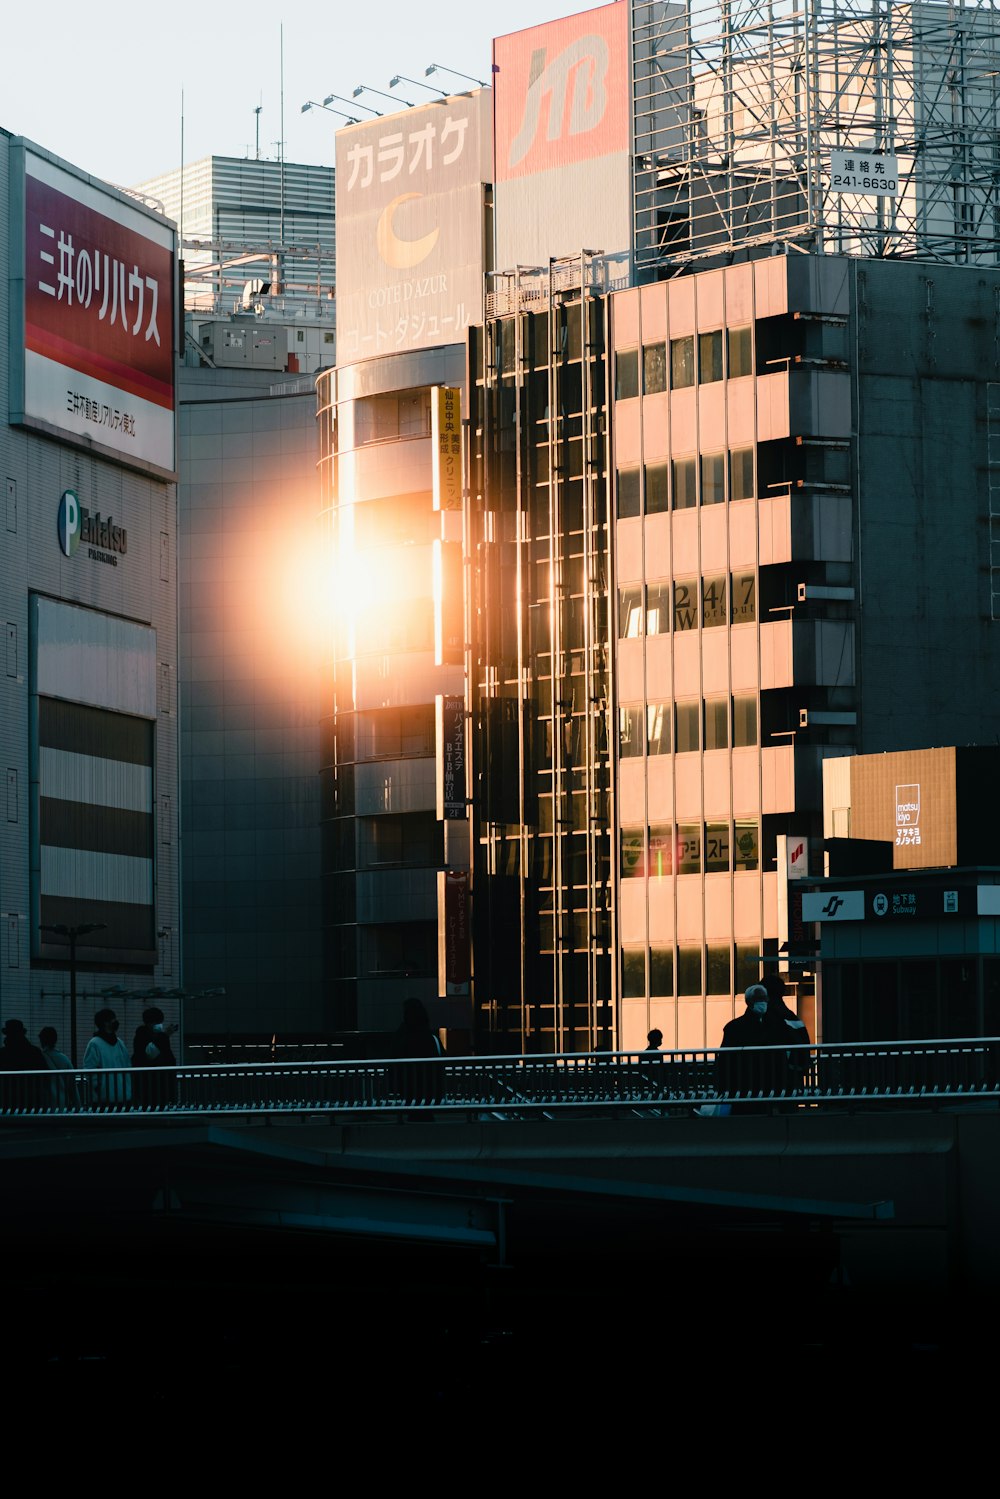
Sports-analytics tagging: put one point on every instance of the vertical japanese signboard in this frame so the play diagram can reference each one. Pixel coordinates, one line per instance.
(449, 604)
(563, 116)
(92, 314)
(411, 226)
(446, 447)
(454, 965)
(450, 724)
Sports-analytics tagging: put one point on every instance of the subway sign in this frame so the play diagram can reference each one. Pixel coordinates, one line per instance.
(104, 540)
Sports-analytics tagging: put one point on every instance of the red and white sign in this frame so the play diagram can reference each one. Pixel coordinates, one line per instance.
(798, 857)
(562, 92)
(562, 111)
(98, 317)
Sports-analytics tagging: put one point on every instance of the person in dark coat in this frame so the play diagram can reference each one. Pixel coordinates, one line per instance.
(18, 1054)
(743, 1069)
(799, 1056)
(151, 1048)
(415, 1038)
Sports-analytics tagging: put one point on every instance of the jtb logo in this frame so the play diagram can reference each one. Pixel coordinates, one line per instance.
(586, 61)
(69, 522)
(832, 906)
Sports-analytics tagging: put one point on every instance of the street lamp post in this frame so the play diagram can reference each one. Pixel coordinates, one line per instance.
(71, 934)
(439, 67)
(431, 88)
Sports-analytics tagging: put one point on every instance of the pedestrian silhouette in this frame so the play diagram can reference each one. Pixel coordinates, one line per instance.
(151, 1049)
(62, 1087)
(19, 1055)
(798, 1054)
(415, 1038)
(654, 1040)
(743, 1066)
(107, 1059)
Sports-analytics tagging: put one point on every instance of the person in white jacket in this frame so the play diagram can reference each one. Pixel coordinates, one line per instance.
(108, 1059)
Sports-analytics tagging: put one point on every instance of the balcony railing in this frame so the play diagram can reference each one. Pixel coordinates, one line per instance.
(658, 1084)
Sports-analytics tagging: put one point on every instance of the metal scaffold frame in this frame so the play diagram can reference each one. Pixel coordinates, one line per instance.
(738, 105)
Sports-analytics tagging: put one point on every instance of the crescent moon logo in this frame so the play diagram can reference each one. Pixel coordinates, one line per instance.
(401, 254)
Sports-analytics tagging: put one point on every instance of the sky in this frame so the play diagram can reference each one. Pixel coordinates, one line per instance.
(107, 87)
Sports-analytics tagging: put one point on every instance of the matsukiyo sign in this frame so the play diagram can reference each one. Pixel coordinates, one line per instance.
(96, 319)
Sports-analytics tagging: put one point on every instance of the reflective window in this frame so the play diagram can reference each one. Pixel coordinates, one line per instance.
(657, 488)
(710, 357)
(741, 486)
(740, 352)
(684, 482)
(718, 971)
(681, 363)
(716, 723)
(744, 721)
(658, 728)
(686, 732)
(747, 845)
(630, 613)
(713, 478)
(689, 848)
(686, 605)
(717, 848)
(627, 374)
(629, 501)
(630, 732)
(658, 609)
(633, 862)
(713, 601)
(654, 368)
(688, 970)
(744, 598)
(661, 851)
(661, 970)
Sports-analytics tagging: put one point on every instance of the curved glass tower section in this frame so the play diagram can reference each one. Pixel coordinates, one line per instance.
(389, 660)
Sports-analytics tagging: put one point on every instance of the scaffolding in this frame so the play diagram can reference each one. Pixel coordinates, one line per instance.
(853, 127)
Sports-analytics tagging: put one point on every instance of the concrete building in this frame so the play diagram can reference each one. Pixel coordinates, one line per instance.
(778, 432)
(410, 269)
(251, 610)
(258, 244)
(89, 857)
(748, 471)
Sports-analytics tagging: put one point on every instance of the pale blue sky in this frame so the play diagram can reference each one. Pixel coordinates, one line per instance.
(101, 85)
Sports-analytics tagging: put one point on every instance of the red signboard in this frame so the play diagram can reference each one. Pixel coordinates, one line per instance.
(98, 316)
(561, 92)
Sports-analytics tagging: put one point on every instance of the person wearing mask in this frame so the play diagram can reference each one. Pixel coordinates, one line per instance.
(151, 1048)
(742, 1066)
(107, 1059)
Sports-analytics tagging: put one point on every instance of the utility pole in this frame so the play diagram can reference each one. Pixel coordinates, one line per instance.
(257, 113)
(71, 933)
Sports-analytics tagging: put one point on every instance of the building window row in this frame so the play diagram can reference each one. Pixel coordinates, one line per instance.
(699, 970)
(658, 608)
(696, 359)
(664, 849)
(712, 723)
(684, 483)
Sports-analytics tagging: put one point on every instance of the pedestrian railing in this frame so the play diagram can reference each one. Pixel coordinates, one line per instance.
(917, 1073)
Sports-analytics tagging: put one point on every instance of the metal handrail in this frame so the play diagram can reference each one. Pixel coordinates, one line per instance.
(915, 1073)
